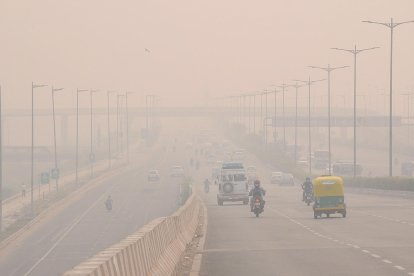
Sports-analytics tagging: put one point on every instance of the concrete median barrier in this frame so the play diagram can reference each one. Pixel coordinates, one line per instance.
(155, 249)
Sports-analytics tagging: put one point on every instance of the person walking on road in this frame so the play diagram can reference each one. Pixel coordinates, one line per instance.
(23, 190)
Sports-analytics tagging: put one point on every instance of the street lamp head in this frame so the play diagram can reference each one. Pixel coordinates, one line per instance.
(56, 89)
(38, 85)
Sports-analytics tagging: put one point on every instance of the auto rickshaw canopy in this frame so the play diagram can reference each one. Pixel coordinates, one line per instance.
(328, 186)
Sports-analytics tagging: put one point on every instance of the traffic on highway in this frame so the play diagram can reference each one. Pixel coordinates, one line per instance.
(206, 138)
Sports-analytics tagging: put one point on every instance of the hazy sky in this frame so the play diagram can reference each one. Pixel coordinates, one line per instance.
(197, 48)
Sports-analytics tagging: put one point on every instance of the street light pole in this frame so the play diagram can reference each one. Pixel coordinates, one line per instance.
(254, 114)
(56, 170)
(92, 154)
(283, 86)
(32, 147)
(265, 124)
(309, 82)
(355, 52)
(329, 69)
(296, 86)
(391, 26)
(77, 132)
(109, 130)
(127, 124)
(1, 167)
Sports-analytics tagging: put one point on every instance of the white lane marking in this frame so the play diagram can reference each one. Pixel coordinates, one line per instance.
(399, 267)
(411, 273)
(375, 256)
(350, 244)
(387, 261)
(357, 247)
(366, 251)
(76, 222)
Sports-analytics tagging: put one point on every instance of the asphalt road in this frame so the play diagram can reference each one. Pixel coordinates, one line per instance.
(376, 238)
(84, 227)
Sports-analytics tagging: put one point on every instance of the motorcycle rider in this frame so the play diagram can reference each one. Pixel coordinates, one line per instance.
(257, 191)
(108, 203)
(206, 185)
(306, 187)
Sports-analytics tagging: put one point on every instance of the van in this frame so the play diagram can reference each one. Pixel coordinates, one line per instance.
(233, 185)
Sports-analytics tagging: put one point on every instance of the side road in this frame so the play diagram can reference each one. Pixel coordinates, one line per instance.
(16, 206)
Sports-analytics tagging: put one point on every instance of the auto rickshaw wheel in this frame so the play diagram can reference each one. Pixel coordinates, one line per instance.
(344, 214)
(315, 216)
(328, 215)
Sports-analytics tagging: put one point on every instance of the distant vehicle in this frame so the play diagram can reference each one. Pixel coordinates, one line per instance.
(251, 169)
(237, 155)
(276, 177)
(303, 164)
(215, 172)
(177, 171)
(320, 159)
(153, 175)
(211, 159)
(407, 168)
(287, 180)
(346, 168)
(232, 183)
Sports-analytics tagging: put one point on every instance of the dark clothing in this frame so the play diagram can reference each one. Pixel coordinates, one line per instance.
(257, 191)
(307, 188)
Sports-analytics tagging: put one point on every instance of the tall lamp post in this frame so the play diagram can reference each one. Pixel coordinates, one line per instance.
(127, 123)
(34, 86)
(283, 86)
(275, 91)
(391, 26)
(1, 167)
(309, 82)
(355, 52)
(296, 86)
(77, 133)
(91, 154)
(55, 171)
(108, 93)
(329, 69)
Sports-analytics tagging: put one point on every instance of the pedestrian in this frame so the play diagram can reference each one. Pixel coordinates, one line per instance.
(23, 190)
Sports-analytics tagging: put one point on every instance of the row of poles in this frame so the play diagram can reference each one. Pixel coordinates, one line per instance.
(149, 102)
(309, 82)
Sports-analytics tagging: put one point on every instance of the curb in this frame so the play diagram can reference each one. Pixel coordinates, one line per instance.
(196, 267)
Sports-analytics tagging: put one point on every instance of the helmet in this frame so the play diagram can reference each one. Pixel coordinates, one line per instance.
(256, 183)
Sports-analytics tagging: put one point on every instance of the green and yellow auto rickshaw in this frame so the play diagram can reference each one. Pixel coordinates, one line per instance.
(328, 192)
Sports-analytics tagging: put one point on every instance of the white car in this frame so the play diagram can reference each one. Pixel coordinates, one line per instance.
(153, 176)
(276, 177)
(177, 171)
(287, 180)
(251, 170)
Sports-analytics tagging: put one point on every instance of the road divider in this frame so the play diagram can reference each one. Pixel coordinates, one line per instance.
(155, 249)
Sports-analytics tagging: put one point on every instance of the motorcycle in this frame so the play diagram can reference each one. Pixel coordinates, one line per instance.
(108, 205)
(257, 206)
(308, 198)
(206, 187)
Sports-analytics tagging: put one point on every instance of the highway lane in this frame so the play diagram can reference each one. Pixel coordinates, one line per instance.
(84, 227)
(375, 239)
